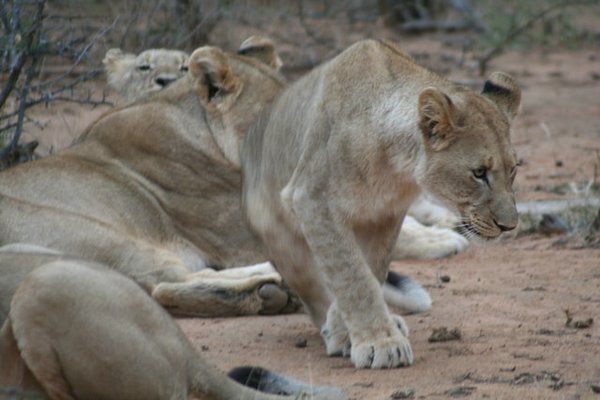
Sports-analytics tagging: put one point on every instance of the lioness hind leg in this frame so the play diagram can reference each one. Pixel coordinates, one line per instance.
(202, 295)
(14, 373)
(40, 363)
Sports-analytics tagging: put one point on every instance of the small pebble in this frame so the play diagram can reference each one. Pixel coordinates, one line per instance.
(445, 278)
(300, 343)
(404, 393)
(444, 334)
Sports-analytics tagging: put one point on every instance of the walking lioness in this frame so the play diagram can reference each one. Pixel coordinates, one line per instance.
(332, 166)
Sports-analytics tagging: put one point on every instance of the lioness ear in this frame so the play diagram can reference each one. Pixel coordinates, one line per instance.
(210, 66)
(263, 49)
(437, 117)
(504, 92)
(116, 64)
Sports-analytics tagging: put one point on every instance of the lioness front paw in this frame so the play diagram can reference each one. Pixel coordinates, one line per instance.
(401, 324)
(337, 342)
(335, 335)
(390, 352)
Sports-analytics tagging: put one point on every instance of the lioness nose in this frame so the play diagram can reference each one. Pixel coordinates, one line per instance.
(504, 228)
(164, 80)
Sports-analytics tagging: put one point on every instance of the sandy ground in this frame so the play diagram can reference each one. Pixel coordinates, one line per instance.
(508, 299)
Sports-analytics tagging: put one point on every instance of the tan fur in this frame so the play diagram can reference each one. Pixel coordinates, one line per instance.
(151, 70)
(332, 167)
(102, 337)
(152, 189)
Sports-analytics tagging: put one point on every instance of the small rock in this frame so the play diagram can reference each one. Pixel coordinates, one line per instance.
(551, 224)
(404, 393)
(595, 388)
(462, 391)
(445, 278)
(444, 334)
(579, 323)
(582, 323)
(300, 343)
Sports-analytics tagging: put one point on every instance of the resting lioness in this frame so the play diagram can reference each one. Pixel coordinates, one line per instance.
(331, 167)
(152, 189)
(78, 330)
(147, 72)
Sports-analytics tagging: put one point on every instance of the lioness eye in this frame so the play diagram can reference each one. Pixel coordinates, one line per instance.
(480, 173)
(144, 67)
(184, 68)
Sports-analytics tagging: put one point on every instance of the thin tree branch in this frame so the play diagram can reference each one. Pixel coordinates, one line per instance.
(515, 31)
(80, 56)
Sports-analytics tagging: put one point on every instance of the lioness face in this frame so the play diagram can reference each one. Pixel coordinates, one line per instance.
(471, 165)
(136, 76)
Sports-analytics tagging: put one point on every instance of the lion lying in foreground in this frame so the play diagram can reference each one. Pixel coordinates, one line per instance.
(130, 348)
(331, 168)
(153, 190)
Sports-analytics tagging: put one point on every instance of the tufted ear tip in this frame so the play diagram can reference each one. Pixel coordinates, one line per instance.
(263, 49)
(503, 90)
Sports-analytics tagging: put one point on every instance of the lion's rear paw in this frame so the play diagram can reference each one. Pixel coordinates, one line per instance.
(388, 352)
(445, 242)
(428, 242)
(273, 297)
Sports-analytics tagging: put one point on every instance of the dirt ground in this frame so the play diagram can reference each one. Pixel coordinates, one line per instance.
(508, 299)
